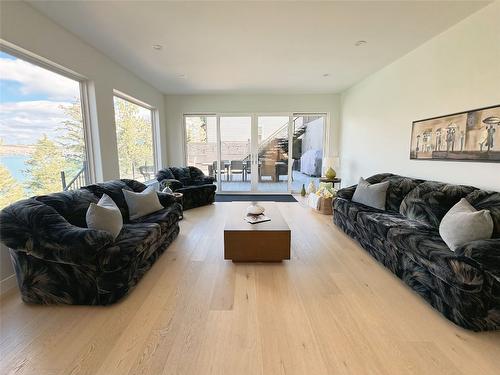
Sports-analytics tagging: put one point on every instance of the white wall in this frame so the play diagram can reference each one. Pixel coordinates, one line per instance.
(177, 105)
(27, 28)
(456, 71)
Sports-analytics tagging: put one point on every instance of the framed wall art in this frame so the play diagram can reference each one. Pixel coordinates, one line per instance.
(470, 136)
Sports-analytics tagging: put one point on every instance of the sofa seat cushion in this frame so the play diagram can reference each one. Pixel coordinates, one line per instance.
(351, 209)
(135, 242)
(487, 254)
(379, 223)
(195, 196)
(425, 247)
(165, 218)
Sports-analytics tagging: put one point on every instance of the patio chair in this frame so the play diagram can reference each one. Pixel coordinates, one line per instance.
(222, 169)
(281, 169)
(236, 167)
(147, 171)
(247, 164)
(267, 167)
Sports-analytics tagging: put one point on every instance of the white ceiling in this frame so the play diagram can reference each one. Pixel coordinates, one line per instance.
(255, 47)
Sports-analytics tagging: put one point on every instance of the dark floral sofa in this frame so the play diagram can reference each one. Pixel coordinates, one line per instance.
(463, 285)
(58, 260)
(197, 189)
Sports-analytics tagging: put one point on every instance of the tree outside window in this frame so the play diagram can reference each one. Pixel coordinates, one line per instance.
(134, 133)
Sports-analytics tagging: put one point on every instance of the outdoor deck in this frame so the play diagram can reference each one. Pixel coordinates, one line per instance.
(238, 185)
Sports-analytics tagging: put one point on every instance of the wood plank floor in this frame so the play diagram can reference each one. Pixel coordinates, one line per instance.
(331, 309)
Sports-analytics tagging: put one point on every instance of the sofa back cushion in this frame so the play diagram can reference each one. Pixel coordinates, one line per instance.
(197, 175)
(399, 187)
(72, 205)
(431, 200)
(487, 200)
(165, 174)
(182, 174)
(114, 188)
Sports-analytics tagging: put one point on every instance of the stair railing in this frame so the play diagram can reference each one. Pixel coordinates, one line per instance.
(268, 140)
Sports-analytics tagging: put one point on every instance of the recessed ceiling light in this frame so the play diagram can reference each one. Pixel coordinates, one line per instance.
(360, 43)
(157, 47)
(326, 75)
(181, 75)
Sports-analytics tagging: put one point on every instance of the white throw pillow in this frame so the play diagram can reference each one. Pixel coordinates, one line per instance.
(105, 215)
(463, 223)
(372, 195)
(141, 204)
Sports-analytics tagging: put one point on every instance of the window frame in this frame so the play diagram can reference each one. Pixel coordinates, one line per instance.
(155, 127)
(83, 82)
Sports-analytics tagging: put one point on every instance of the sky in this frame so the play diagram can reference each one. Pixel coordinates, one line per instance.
(30, 100)
(238, 128)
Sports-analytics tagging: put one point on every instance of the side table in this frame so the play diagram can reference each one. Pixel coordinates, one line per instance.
(179, 198)
(334, 181)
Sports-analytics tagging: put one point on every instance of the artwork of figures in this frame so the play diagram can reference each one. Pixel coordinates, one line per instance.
(472, 135)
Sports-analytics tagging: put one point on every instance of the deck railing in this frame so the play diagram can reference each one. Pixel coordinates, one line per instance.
(76, 182)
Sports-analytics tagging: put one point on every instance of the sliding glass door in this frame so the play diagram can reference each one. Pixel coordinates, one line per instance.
(256, 153)
(272, 153)
(235, 161)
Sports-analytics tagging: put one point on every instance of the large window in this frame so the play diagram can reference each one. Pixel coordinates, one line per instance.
(135, 141)
(42, 137)
(201, 142)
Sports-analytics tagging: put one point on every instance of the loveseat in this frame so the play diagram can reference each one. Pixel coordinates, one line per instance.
(197, 189)
(463, 285)
(57, 259)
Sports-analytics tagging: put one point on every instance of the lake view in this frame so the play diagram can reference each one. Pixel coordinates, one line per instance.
(15, 164)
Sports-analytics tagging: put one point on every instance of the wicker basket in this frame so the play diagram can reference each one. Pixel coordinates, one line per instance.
(325, 206)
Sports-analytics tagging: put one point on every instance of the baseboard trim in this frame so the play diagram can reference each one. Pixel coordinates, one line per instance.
(7, 284)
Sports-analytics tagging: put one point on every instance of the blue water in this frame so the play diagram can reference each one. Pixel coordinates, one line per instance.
(15, 164)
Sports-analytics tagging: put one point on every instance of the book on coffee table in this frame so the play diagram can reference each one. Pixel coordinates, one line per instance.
(254, 219)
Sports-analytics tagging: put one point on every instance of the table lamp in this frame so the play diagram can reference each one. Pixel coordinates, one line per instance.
(329, 164)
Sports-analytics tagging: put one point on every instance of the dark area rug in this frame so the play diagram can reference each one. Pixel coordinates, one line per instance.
(254, 198)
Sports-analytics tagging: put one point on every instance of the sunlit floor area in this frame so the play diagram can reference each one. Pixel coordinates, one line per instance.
(330, 309)
(237, 183)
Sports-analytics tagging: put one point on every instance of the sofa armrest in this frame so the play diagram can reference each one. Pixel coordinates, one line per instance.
(40, 231)
(208, 180)
(346, 193)
(485, 252)
(171, 183)
(166, 199)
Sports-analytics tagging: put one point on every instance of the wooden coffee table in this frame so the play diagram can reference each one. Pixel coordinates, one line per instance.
(262, 242)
